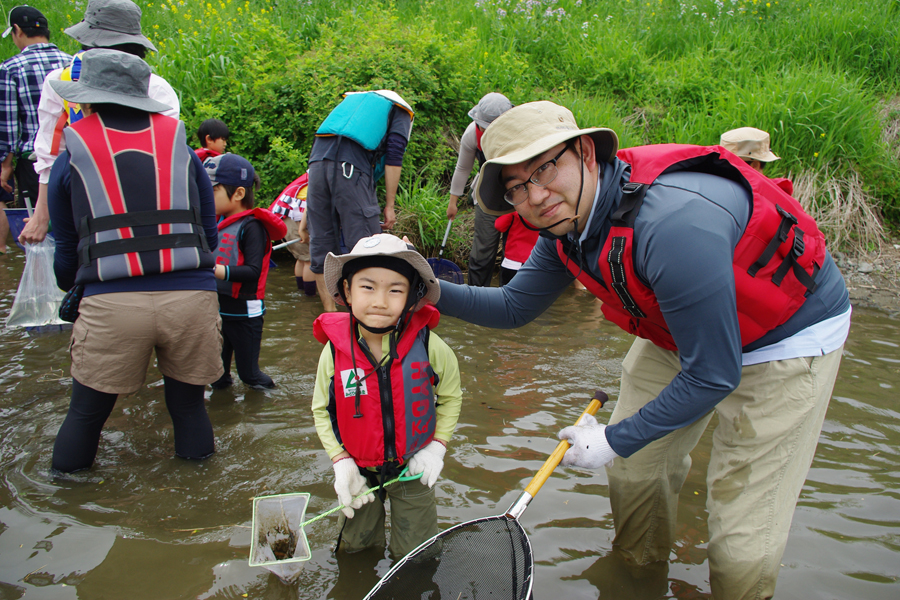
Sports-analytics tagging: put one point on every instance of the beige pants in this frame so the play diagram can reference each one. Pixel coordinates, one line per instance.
(762, 449)
(116, 334)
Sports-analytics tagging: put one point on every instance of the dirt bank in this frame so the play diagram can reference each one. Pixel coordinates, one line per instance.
(874, 279)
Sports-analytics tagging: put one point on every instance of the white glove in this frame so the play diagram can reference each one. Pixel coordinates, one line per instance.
(590, 449)
(428, 461)
(349, 483)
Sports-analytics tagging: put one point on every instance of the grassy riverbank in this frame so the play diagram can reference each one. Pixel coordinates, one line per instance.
(821, 76)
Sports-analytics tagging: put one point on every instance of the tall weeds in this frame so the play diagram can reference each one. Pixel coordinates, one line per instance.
(814, 73)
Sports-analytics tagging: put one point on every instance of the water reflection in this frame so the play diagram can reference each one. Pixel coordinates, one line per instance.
(144, 524)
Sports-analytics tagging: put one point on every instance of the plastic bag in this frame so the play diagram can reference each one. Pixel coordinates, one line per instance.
(38, 298)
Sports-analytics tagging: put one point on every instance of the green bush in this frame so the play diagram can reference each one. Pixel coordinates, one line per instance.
(653, 70)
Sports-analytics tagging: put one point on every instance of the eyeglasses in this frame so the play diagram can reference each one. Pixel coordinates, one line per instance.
(542, 176)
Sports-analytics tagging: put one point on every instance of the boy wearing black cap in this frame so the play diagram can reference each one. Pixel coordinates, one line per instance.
(242, 266)
(383, 355)
(21, 79)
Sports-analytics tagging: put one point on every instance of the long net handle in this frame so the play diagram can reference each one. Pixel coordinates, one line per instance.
(551, 463)
(402, 477)
(446, 235)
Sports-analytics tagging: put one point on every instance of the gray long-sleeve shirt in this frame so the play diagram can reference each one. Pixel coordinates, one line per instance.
(468, 152)
(684, 240)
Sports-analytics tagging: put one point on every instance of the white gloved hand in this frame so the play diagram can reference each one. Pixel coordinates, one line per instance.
(590, 449)
(349, 483)
(428, 461)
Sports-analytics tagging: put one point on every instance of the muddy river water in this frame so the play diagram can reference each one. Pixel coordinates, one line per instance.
(142, 524)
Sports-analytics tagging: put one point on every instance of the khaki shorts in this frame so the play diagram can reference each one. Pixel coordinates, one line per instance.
(115, 335)
(299, 250)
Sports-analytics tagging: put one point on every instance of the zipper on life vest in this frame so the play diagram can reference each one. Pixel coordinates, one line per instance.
(387, 412)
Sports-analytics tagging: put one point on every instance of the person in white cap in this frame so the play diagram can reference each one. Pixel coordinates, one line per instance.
(738, 310)
(21, 79)
(384, 349)
(484, 245)
(752, 146)
(114, 24)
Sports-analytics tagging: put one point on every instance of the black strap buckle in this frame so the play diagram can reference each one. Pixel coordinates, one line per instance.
(786, 214)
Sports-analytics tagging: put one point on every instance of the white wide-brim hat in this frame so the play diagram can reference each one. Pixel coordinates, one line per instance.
(526, 131)
(381, 244)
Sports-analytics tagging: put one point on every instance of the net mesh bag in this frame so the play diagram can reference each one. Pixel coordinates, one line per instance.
(446, 270)
(484, 559)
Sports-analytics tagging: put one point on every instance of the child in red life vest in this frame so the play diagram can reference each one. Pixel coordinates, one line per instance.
(290, 205)
(242, 265)
(383, 350)
(519, 238)
(213, 135)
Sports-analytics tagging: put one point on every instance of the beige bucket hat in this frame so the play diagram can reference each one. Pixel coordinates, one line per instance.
(749, 143)
(381, 244)
(524, 132)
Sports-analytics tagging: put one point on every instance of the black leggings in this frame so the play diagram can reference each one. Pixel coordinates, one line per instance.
(242, 337)
(78, 438)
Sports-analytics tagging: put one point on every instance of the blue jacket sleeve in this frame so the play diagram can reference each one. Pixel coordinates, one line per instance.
(684, 251)
(59, 205)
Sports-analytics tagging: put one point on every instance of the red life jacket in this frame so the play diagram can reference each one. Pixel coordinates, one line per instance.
(134, 200)
(283, 204)
(204, 153)
(396, 402)
(229, 251)
(775, 261)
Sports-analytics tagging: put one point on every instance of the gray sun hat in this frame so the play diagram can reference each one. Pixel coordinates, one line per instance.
(526, 131)
(749, 143)
(110, 23)
(113, 77)
(489, 108)
(381, 244)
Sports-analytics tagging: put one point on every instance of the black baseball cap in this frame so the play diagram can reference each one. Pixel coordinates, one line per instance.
(25, 16)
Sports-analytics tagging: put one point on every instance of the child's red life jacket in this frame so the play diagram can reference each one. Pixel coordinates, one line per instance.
(775, 261)
(288, 200)
(229, 251)
(204, 153)
(521, 238)
(397, 407)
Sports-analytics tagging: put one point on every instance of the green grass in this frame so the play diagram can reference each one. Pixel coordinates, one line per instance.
(814, 73)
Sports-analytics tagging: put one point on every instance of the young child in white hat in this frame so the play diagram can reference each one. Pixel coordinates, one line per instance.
(387, 391)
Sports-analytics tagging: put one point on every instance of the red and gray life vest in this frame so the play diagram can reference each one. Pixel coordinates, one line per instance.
(775, 261)
(229, 252)
(397, 407)
(134, 200)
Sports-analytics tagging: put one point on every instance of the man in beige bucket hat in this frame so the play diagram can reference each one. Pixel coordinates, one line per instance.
(733, 315)
(752, 146)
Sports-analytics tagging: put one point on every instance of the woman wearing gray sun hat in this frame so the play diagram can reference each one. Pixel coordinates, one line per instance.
(484, 245)
(128, 168)
(114, 24)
